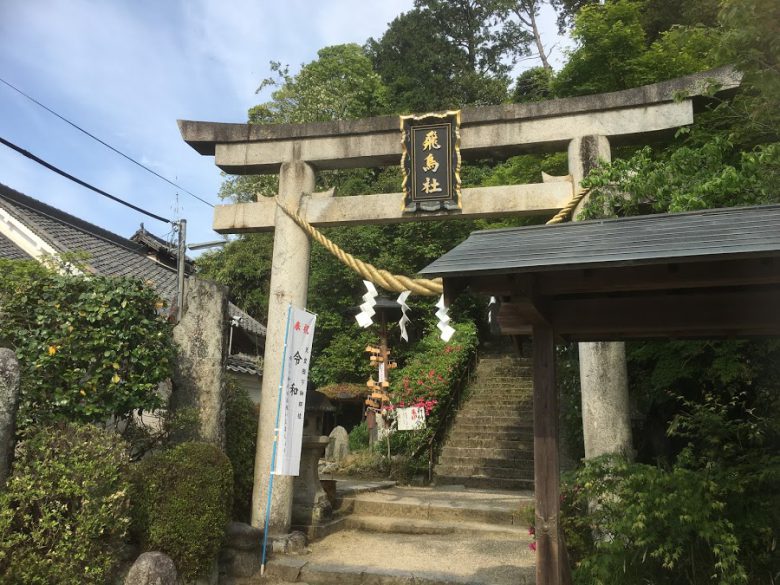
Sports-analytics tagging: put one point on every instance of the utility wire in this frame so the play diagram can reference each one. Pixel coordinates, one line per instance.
(51, 167)
(119, 152)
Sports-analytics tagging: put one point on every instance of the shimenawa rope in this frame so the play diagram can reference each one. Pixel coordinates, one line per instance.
(393, 282)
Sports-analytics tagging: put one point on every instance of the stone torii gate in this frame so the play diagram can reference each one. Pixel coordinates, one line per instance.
(584, 126)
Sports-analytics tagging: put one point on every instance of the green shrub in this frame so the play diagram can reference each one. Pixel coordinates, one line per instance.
(65, 509)
(358, 437)
(181, 504)
(240, 440)
(89, 347)
(430, 379)
(655, 526)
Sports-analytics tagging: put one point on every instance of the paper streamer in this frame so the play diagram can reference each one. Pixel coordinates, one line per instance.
(444, 320)
(401, 300)
(491, 306)
(367, 308)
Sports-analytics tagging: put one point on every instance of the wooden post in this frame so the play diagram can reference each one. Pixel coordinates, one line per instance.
(550, 550)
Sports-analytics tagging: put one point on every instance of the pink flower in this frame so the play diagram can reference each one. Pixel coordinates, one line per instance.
(531, 530)
(532, 546)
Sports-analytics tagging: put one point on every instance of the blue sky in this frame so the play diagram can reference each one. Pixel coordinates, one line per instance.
(126, 70)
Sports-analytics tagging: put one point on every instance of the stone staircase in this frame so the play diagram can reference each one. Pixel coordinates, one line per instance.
(490, 443)
(420, 536)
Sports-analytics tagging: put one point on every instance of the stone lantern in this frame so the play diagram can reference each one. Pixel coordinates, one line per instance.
(311, 506)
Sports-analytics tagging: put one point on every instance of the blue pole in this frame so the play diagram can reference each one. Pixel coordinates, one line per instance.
(276, 437)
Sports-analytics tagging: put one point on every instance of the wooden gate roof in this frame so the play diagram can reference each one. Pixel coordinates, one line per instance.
(709, 273)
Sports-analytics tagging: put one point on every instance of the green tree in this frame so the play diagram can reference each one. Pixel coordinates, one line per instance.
(615, 50)
(567, 10)
(422, 71)
(657, 16)
(609, 39)
(340, 84)
(751, 42)
(244, 265)
(446, 54)
(527, 11)
(533, 85)
(478, 29)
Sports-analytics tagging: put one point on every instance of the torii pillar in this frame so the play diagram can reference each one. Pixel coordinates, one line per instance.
(606, 413)
(289, 285)
(297, 150)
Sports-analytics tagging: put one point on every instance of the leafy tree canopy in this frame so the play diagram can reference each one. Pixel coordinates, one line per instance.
(446, 54)
(340, 84)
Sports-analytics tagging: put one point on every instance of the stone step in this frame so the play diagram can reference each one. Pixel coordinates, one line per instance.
(479, 471)
(487, 388)
(509, 380)
(479, 464)
(487, 362)
(474, 434)
(434, 512)
(518, 531)
(503, 374)
(499, 418)
(484, 482)
(497, 408)
(513, 372)
(513, 398)
(455, 442)
(508, 392)
(515, 430)
(519, 454)
(510, 405)
(489, 359)
(502, 378)
(362, 558)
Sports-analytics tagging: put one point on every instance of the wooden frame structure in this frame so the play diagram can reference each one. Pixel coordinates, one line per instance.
(694, 275)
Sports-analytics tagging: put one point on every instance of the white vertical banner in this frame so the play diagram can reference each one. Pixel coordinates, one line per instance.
(293, 398)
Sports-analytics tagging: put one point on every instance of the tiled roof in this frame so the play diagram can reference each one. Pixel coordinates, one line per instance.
(10, 250)
(107, 253)
(244, 364)
(697, 235)
(159, 245)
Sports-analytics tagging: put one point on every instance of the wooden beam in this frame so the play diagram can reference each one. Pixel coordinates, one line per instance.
(700, 314)
(550, 549)
(327, 211)
(678, 275)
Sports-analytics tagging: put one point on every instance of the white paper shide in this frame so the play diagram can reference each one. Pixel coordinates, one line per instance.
(300, 333)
